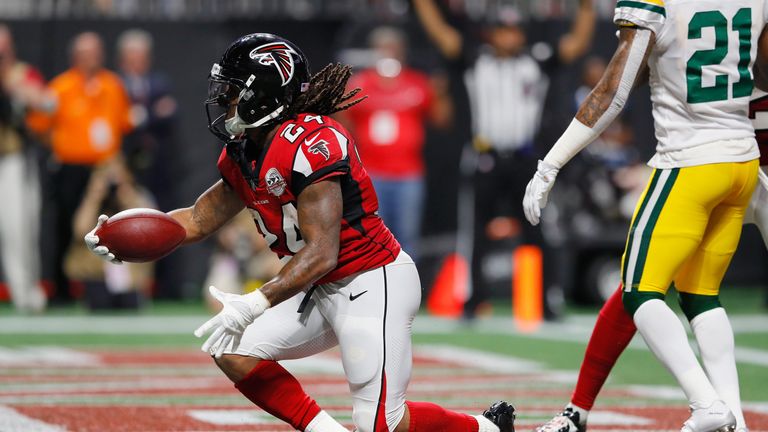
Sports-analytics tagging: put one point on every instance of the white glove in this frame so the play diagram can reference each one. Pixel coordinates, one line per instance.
(537, 191)
(237, 313)
(92, 241)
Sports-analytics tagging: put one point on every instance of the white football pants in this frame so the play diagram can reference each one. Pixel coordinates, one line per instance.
(19, 227)
(369, 316)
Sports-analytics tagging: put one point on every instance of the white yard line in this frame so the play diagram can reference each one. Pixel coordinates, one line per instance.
(13, 421)
(46, 356)
(575, 328)
(232, 417)
(475, 359)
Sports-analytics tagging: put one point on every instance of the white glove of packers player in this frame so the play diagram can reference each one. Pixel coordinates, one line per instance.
(237, 313)
(92, 241)
(537, 191)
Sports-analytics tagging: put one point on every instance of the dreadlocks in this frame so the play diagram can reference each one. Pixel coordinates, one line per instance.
(326, 93)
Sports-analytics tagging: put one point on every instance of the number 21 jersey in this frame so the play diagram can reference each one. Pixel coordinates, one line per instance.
(700, 76)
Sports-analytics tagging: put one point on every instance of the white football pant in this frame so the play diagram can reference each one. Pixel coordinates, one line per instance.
(369, 316)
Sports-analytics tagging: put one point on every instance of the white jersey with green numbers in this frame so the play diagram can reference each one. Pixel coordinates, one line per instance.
(700, 76)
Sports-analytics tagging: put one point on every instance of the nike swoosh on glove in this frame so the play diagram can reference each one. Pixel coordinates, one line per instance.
(537, 191)
(237, 313)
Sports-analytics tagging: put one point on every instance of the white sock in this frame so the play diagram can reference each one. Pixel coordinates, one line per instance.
(323, 422)
(665, 336)
(485, 425)
(715, 338)
(582, 412)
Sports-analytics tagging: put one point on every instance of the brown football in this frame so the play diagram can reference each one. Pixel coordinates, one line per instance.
(141, 235)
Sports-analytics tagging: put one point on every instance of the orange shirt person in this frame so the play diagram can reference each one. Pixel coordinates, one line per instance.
(84, 122)
(91, 112)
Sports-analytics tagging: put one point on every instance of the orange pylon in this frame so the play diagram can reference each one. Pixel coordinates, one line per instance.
(527, 288)
(449, 291)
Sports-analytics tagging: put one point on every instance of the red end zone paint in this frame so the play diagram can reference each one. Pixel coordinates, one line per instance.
(158, 390)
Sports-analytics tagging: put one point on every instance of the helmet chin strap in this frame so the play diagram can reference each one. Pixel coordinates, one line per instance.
(236, 125)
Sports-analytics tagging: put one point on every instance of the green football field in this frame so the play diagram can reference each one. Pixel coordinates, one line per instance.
(71, 370)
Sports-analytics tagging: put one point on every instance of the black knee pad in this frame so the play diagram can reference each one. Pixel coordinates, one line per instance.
(634, 299)
(695, 304)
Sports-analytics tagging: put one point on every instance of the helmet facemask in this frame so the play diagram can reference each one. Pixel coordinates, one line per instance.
(234, 105)
(223, 95)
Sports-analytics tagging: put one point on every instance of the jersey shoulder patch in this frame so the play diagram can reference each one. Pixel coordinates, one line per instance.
(319, 149)
(322, 149)
(650, 14)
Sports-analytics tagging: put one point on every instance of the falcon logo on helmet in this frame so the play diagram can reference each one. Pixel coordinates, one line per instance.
(277, 54)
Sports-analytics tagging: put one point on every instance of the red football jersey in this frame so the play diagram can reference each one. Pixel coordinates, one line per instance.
(305, 151)
(390, 124)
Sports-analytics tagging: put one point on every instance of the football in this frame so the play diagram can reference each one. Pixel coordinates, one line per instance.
(141, 235)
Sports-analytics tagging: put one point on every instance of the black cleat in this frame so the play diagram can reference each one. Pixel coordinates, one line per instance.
(502, 415)
(567, 421)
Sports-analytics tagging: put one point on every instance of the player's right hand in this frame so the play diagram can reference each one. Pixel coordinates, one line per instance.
(537, 191)
(237, 312)
(92, 241)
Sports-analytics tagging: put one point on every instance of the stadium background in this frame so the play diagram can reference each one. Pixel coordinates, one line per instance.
(190, 35)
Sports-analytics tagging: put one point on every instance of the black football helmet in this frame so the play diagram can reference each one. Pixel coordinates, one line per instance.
(258, 77)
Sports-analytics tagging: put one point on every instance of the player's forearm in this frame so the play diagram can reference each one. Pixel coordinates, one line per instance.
(214, 208)
(608, 98)
(320, 210)
(184, 217)
(304, 269)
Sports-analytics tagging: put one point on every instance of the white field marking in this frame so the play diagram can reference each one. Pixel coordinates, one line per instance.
(14, 421)
(101, 324)
(46, 356)
(578, 329)
(655, 392)
(475, 359)
(757, 407)
(240, 417)
(596, 418)
(491, 362)
(752, 356)
(230, 417)
(320, 363)
(574, 328)
(190, 383)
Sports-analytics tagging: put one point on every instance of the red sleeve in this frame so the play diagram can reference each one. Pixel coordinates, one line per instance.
(322, 154)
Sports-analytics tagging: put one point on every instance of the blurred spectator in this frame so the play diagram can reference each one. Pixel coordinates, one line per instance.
(242, 261)
(85, 129)
(111, 189)
(587, 220)
(506, 89)
(21, 88)
(153, 113)
(389, 128)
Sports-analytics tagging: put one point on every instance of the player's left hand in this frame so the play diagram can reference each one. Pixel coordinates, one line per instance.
(238, 311)
(92, 242)
(537, 191)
